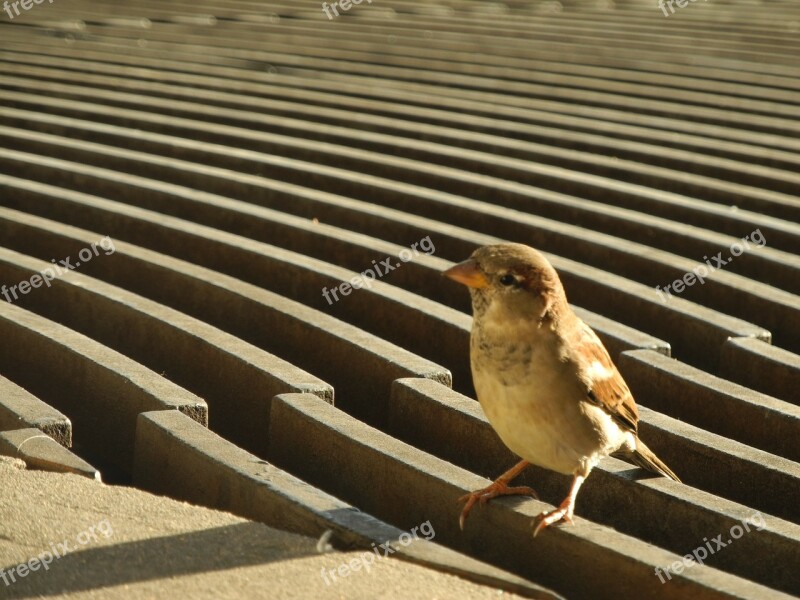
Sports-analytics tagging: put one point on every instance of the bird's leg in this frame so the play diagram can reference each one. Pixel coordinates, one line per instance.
(563, 512)
(498, 488)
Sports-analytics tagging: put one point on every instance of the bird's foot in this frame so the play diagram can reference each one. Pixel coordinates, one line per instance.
(498, 488)
(562, 513)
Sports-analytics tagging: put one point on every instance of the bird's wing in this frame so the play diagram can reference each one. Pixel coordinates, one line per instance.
(605, 386)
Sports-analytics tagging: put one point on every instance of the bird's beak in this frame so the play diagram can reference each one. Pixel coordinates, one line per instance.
(468, 273)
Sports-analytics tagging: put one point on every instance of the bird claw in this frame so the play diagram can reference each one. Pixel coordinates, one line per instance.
(562, 514)
(494, 490)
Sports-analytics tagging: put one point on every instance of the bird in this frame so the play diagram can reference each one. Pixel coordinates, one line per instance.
(543, 378)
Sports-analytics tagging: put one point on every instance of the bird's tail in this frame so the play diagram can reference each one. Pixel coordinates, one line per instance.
(646, 458)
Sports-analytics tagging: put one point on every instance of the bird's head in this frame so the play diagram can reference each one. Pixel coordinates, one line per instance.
(512, 280)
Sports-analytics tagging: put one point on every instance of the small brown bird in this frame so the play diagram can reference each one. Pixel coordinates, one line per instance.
(543, 377)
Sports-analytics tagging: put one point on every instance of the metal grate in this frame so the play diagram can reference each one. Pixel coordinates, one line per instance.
(221, 171)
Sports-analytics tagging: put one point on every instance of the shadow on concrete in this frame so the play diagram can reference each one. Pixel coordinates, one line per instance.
(217, 549)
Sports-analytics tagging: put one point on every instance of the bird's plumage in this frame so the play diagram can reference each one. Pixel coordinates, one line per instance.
(544, 379)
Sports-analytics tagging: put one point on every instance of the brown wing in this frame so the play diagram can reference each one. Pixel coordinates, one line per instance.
(605, 386)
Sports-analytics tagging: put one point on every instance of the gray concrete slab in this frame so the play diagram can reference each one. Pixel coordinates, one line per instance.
(541, 114)
(724, 466)
(650, 146)
(714, 403)
(617, 494)
(39, 451)
(262, 318)
(414, 163)
(100, 390)
(127, 543)
(280, 151)
(177, 457)
(328, 243)
(19, 409)
(375, 471)
(769, 265)
(236, 379)
(632, 303)
(763, 367)
(473, 180)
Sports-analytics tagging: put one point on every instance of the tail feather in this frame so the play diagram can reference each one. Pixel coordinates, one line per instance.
(646, 458)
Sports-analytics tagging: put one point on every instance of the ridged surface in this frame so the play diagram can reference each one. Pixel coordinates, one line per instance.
(246, 158)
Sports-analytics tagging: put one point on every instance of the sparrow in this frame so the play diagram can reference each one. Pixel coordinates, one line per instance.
(543, 377)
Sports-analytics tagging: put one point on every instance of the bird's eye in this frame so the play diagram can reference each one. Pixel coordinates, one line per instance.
(508, 279)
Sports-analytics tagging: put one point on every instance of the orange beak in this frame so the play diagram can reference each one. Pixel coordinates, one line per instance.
(468, 273)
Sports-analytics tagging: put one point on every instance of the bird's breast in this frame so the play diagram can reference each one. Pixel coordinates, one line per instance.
(535, 404)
